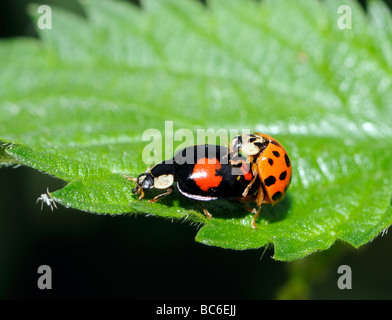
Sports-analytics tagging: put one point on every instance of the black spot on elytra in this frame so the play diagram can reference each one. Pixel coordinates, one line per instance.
(276, 196)
(270, 161)
(286, 158)
(275, 143)
(283, 175)
(276, 154)
(269, 181)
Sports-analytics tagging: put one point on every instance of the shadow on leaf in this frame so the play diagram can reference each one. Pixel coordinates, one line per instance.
(222, 208)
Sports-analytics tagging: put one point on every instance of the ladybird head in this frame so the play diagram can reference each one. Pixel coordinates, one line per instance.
(249, 144)
(144, 181)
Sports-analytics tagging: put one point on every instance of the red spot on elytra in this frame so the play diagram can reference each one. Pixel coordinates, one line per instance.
(204, 173)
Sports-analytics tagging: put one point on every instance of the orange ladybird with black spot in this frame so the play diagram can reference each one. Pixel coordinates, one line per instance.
(270, 164)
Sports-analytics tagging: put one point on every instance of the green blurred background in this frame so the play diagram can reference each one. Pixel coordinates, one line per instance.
(138, 257)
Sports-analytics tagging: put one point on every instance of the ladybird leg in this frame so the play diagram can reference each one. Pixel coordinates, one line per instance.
(260, 196)
(205, 211)
(255, 175)
(141, 194)
(254, 211)
(239, 162)
(259, 201)
(236, 163)
(250, 209)
(167, 192)
(137, 189)
(256, 215)
(233, 158)
(245, 193)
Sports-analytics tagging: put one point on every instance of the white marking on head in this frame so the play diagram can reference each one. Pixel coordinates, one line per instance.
(250, 149)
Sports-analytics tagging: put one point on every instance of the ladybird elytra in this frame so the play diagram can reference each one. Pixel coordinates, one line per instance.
(275, 177)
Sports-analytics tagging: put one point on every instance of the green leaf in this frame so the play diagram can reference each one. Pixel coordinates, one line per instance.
(75, 104)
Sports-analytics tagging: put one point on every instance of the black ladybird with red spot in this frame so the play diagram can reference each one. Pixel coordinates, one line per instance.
(201, 172)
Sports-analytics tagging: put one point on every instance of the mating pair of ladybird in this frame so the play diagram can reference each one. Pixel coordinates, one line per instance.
(254, 168)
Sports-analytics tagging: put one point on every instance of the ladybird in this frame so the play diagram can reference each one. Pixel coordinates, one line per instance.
(270, 164)
(201, 173)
